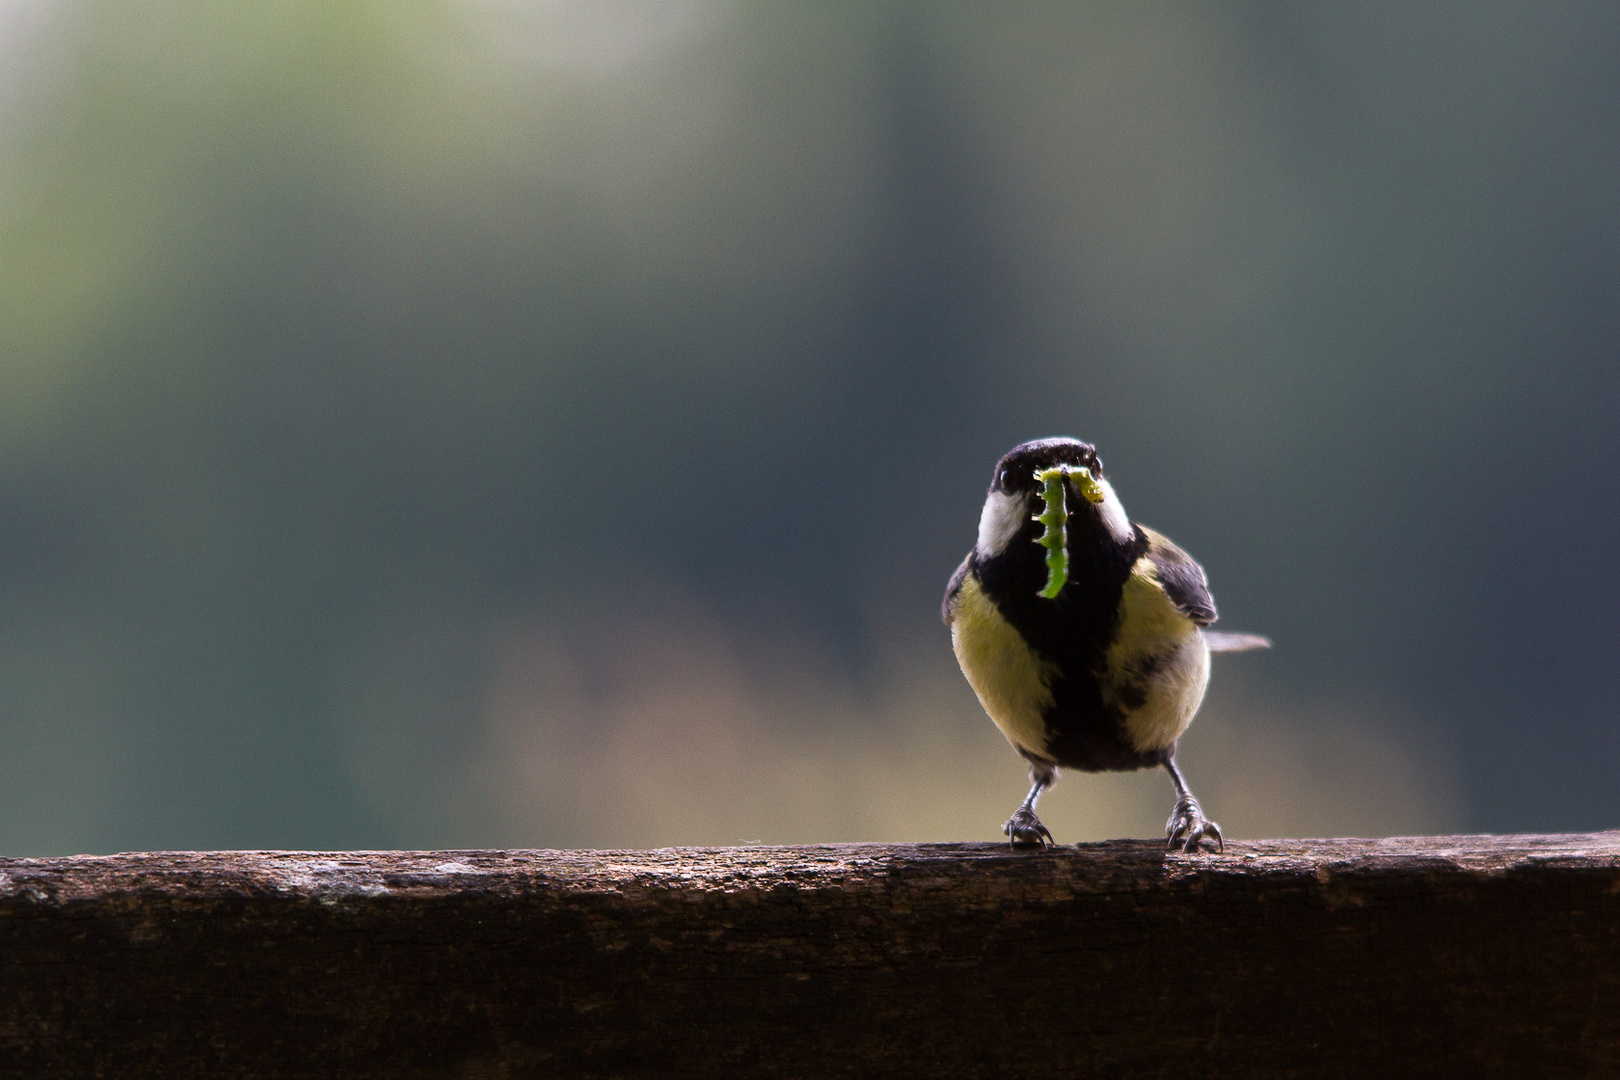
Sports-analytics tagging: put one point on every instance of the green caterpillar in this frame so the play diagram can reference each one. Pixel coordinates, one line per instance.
(1055, 517)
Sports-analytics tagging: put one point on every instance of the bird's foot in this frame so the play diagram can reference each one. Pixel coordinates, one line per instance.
(1188, 826)
(1025, 828)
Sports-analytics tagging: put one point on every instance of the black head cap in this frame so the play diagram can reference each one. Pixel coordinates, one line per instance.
(1015, 472)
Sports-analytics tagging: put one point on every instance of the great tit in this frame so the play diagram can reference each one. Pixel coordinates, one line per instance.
(1107, 674)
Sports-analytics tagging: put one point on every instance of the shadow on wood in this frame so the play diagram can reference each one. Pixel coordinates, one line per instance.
(1414, 957)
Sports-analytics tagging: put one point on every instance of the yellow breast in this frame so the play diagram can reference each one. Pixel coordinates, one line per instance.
(1013, 682)
(1157, 667)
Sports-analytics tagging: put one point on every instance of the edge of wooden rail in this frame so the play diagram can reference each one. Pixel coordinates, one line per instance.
(359, 875)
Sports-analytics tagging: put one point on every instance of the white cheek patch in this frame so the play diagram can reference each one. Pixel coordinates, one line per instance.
(999, 522)
(1113, 515)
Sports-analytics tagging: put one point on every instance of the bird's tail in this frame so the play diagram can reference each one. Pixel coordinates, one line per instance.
(1219, 641)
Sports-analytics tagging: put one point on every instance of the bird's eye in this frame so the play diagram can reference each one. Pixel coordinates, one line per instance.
(1006, 479)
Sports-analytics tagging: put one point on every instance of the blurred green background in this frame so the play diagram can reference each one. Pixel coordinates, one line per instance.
(476, 422)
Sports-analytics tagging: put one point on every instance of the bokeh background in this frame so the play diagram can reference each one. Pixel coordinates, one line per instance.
(478, 422)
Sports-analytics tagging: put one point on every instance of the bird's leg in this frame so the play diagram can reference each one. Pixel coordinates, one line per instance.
(1188, 825)
(1024, 827)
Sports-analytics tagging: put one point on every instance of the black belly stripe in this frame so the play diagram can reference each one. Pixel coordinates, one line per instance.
(1074, 632)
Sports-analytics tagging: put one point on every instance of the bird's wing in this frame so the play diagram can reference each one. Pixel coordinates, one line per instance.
(1181, 578)
(1224, 642)
(952, 589)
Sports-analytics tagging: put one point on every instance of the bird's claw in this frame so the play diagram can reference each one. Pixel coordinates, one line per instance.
(1025, 828)
(1188, 827)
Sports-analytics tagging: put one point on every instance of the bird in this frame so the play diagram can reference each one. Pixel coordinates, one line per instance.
(1106, 673)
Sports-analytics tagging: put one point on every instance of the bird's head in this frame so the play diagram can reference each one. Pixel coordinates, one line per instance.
(1014, 495)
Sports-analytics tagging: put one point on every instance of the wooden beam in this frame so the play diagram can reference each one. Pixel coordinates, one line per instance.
(1436, 956)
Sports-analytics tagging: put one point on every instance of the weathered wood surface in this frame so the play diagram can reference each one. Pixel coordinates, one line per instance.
(1448, 956)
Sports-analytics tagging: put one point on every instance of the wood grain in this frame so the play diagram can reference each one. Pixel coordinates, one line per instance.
(1434, 956)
